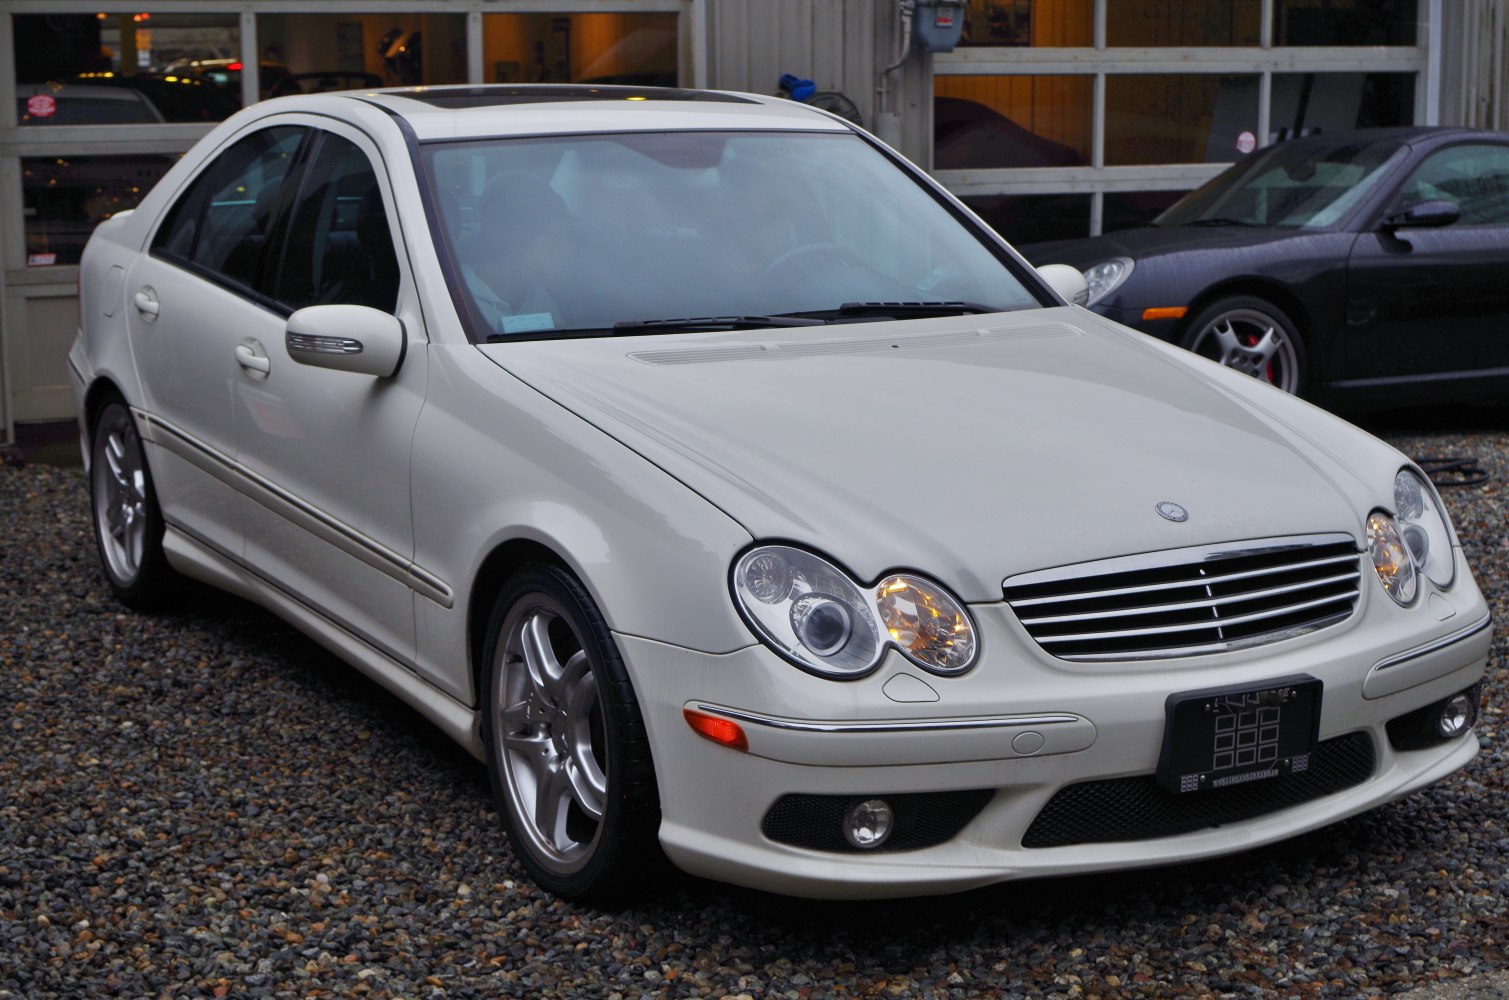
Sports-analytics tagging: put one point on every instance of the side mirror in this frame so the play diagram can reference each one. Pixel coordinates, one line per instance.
(346, 339)
(1425, 215)
(1066, 281)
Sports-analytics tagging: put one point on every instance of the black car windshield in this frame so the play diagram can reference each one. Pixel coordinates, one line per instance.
(1298, 185)
(677, 231)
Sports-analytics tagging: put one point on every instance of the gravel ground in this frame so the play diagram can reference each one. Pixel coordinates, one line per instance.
(206, 804)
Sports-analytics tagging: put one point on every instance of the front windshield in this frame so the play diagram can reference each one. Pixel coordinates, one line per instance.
(1288, 186)
(582, 234)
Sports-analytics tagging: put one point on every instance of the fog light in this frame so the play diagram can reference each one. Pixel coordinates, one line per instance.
(1457, 714)
(869, 824)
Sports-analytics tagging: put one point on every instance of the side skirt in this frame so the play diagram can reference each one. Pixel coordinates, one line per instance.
(458, 721)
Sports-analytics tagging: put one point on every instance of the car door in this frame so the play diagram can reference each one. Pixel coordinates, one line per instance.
(193, 299)
(334, 526)
(1425, 301)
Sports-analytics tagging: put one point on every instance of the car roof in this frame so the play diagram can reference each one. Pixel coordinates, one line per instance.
(1405, 134)
(440, 113)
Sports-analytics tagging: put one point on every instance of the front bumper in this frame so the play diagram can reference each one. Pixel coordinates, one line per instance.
(1020, 726)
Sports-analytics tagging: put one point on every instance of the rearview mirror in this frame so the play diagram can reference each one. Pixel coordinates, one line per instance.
(346, 339)
(1066, 281)
(1425, 215)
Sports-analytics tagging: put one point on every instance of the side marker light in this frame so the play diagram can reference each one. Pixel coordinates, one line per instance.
(723, 732)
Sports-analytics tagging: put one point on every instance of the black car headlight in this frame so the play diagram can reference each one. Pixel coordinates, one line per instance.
(1107, 276)
(815, 615)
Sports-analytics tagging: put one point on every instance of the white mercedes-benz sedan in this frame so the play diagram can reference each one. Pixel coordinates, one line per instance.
(738, 497)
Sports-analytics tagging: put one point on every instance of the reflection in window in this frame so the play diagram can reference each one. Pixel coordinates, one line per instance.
(1475, 178)
(1024, 219)
(1344, 22)
(1029, 22)
(105, 69)
(1180, 119)
(1011, 121)
(1183, 23)
(304, 53)
(64, 198)
(639, 50)
(1305, 103)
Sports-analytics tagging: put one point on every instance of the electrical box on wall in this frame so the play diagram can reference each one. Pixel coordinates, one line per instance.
(937, 24)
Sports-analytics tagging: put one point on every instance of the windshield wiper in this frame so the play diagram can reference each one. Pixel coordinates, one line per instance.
(693, 323)
(1219, 222)
(949, 308)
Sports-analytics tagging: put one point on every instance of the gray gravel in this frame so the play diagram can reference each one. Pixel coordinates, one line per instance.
(206, 804)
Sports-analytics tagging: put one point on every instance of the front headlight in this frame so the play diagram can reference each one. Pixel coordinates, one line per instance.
(1424, 528)
(1391, 560)
(1106, 277)
(812, 613)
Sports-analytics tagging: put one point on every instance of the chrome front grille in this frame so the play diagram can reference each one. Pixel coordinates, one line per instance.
(1181, 602)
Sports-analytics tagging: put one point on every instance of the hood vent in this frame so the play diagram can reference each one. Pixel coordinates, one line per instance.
(1184, 602)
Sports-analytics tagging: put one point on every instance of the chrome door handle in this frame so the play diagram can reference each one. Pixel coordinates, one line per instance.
(146, 303)
(249, 359)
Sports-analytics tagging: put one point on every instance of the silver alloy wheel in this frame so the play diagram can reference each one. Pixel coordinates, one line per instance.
(1251, 341)
(120, 494)
(552, 745)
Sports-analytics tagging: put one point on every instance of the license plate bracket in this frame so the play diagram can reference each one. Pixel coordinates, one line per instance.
(1227, 736)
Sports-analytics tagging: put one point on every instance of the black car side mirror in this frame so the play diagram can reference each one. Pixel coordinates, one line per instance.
(1425, 215)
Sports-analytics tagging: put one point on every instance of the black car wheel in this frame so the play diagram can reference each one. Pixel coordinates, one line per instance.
(1253, 336)
(566, 746)
(128, 525)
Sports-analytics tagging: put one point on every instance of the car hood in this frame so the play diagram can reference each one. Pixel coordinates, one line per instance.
(1151, 241)
(967, 448)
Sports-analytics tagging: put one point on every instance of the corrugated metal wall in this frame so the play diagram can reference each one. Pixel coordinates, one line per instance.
(840, 45)
(1475, 67)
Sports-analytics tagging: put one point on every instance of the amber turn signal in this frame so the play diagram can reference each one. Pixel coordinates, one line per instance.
(1165, 312)
(721, 731)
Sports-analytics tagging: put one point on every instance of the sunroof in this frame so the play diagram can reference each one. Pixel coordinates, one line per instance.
(486, 97)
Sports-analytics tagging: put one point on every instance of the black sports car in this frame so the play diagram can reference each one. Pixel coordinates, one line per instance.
(1360, 268)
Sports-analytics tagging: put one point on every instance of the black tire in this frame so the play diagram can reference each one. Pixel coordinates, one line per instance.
(128, 525)
(1253, 336)
(567, 753)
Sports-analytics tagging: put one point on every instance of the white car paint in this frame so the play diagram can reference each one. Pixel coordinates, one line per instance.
(374, 512)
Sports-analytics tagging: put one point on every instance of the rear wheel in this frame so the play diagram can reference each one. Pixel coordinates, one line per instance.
(128, 525)
(1253, 336)
(566, 747)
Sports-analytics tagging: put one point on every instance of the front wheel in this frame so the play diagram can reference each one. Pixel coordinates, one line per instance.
(128, 525)
(1253, 336)
(567, 752)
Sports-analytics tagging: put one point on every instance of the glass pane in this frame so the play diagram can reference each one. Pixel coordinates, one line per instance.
(339, 249)
(1029, 22)
(245, 186)
(1024, 219)
(64, 198)
(303, 53)
(1131, 209)
(1180, 119)
(635, 49)
(1336, 102)
(1344, 22)
(584, 232)
(1474, 178)
(1011, 121)
(117, 69)
(1183, 22)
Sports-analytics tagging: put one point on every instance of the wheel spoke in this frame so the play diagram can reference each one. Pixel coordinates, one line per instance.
(553, 795)
(1230, 344)
(1266, 346)
(544, 668)
(115, 460)
(588, 786)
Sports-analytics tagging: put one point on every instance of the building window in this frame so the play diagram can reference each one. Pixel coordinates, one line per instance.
(304, 53)
(639, 50)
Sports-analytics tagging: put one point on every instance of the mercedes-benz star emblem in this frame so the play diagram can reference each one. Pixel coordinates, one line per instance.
(1172, 511)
